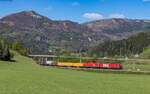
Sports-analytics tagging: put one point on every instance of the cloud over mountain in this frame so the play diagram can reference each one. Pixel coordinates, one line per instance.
(117, 16)
(94, 16)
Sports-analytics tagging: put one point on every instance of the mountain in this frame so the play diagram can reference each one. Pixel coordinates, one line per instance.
(117, 29)
(42, 34)
(135, 44)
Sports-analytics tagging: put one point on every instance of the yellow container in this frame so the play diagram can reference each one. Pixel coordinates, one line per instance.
(70, 64)
(77, 64)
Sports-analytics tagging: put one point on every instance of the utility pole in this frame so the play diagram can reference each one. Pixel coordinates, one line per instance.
(88, 45)
(127, 59)
(80, 51)
(133, 66)
(80, 59)
(80, 56)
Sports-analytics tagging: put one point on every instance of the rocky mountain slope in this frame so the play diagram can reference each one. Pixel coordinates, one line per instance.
(117, 29)
(40, 33)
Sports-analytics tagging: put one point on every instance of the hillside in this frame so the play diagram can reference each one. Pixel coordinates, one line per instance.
(126, 47)
(117, 29)
(25, 77)
(146, 53)
(41, 34)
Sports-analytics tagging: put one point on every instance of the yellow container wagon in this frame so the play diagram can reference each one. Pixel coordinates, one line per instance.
(77, 64)
(69, 64)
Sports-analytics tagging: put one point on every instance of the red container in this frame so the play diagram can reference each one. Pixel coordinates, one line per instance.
(92, 65)
(112, 66)
(115, 66)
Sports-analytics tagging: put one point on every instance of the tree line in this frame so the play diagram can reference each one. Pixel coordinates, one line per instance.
(17, 46)
(126, 47)
(5, 50)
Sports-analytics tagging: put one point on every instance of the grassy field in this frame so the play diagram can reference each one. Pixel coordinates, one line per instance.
(25, 77)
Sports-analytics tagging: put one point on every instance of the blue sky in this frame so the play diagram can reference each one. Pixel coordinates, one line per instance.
(80, 10)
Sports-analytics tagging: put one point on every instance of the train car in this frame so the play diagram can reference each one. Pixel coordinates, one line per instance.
(110, 66)
(77, 64)
(64, 64)
(103, 65)
(48, 63)
(69, 64)
(115, 66)
(91, 65)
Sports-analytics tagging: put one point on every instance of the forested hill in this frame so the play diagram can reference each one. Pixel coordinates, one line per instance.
(126, 47)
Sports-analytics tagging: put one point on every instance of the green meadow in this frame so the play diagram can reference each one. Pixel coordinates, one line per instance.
(24, 76)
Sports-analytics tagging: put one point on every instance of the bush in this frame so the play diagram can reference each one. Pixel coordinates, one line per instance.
(17, 46)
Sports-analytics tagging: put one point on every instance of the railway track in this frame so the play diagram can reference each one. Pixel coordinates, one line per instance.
(103, 70)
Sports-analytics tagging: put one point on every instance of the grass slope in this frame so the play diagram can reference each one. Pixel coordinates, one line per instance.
(146, 53)
(25, 77)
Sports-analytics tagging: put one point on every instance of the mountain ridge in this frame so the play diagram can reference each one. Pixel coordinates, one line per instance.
(34, 30)
(118, 27)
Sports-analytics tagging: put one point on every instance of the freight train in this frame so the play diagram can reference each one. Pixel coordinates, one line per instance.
(83, 65)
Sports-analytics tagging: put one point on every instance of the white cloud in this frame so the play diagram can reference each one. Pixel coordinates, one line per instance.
(48, 8)
(94, 16)
(117, 16)
(75, 4)
(146, 0)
